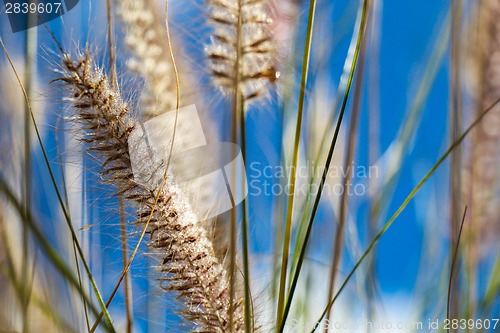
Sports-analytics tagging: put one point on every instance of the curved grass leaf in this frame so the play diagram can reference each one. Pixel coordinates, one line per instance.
(403, 206)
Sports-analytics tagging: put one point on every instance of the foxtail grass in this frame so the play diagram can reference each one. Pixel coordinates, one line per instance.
(188, 263)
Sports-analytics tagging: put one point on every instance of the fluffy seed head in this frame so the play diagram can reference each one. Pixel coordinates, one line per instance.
(241, 56)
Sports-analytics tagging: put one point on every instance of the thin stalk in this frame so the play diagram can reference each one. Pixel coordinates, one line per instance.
(403, 206)
(341, 90)
(233, 236)
(232, 265)
(238, 120)
(453, 265)
(79, 276)
(112, 48)
(314, 173)
(126, 284)
(301, 230)
(244, 237)
(284, 104)
(344, 201)
(59, 197)
(30, 49)
(280, 318)
(327, 166)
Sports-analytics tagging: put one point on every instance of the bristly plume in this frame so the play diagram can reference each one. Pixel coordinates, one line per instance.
(242, 51)
(481, 178)
(188, 262)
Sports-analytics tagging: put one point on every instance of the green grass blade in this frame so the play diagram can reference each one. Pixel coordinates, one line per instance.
(344, 79)
(453, 265)
(295, 157)
(249, 318)
(403, 206)
(237, 109)
(327, 166)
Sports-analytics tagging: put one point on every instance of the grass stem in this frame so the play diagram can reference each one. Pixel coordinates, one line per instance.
(280, 317)
(325, 170)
